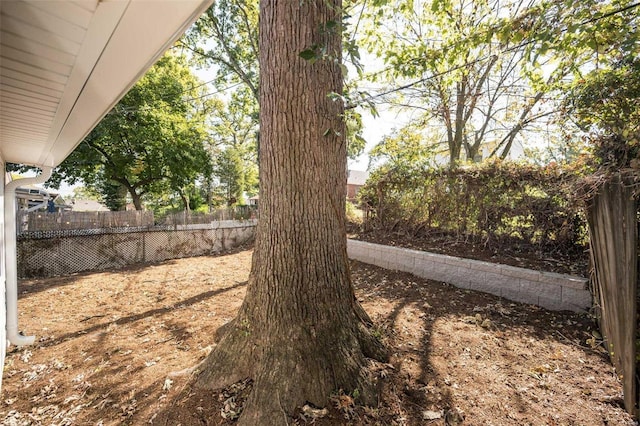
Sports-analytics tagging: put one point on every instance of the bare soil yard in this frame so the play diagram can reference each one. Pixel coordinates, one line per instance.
(115, 348)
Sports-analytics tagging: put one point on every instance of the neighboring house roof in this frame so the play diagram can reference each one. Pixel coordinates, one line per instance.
(64, 64)
(87, 206)
(356, 177)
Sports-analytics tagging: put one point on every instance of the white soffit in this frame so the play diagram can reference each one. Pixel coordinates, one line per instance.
(64, 64)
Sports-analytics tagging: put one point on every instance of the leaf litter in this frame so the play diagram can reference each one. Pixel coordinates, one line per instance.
(120, 347)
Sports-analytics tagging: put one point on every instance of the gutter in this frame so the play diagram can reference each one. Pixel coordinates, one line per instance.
(11, 255)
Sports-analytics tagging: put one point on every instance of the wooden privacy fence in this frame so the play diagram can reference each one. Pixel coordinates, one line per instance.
(191, 218)
(44, 221)
(62, 221)
(612, 220)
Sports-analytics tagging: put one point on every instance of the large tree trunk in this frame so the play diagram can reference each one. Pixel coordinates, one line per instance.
(136, 199)
(300, 333)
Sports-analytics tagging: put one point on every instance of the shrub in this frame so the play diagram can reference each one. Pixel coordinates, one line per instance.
(494, 203)
(354, 215)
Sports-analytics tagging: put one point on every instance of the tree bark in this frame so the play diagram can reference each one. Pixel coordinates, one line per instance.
(300, 334)
(185, 201)
(136, 198)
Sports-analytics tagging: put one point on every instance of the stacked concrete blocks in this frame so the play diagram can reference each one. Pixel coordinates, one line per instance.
(549, 290)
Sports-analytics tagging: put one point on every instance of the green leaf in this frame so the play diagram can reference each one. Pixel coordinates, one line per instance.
(330, 25)
(344, 70)
(309, 54)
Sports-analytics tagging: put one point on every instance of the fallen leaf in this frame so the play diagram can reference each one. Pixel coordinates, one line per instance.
(314, 413)
(431, 415)
(167, 384)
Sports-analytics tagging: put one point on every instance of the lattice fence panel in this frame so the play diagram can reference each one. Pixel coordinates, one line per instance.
(67, 255)
(165, 245)
(55, 253)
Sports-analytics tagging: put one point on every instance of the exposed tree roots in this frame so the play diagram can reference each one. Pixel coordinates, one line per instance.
(292, 369)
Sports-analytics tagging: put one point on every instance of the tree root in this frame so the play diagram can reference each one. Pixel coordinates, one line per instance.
(371, 346)
(185, 372)
(230, 361)
(288, 372)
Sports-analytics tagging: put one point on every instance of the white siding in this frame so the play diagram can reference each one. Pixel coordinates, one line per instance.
(3, 307)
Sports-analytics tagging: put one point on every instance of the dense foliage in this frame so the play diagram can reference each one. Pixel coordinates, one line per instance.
(606, 105)
(494, 204)
(151, 143)
(483, 76)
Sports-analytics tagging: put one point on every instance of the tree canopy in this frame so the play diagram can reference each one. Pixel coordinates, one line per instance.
(490, 73)
(233, 149)
(225, 39)
(606, 105)
(150, 143)
(608, 100)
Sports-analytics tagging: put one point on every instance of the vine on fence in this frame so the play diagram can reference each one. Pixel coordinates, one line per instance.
(495, 204)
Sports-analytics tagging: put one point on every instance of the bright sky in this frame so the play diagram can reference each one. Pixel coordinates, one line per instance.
(374, 129)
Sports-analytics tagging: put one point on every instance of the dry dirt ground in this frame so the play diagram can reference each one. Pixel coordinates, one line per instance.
(114, 348)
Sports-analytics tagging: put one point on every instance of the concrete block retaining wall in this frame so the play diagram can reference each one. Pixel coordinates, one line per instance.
(55, 255)
(549, 290)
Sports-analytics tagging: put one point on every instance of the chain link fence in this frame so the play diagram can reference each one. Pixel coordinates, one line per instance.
(49, 253)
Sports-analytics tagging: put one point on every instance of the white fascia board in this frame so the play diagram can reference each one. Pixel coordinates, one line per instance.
(3, 282)
(103, 25)
(145, 30)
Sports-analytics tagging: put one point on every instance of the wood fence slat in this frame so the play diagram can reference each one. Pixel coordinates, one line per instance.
(45, 221)
(613, 237)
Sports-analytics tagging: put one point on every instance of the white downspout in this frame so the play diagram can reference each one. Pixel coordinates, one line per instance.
(11, 255)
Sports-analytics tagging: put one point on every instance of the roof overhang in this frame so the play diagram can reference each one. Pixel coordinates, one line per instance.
(64, 64)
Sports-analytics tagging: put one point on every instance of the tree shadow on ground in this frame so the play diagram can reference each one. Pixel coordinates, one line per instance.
(427, 370)
(441, 340)
(107, 371)
(147, 314)
(443, 356)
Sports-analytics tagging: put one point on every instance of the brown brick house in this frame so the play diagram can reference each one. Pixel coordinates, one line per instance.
(355, 180)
